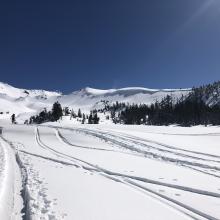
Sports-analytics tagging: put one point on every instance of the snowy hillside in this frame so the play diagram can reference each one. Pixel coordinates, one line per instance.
(89, 98)
(25, 103)
(18, 101)
(210, 93)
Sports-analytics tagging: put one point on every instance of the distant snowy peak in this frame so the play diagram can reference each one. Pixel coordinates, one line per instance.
(90, 98)
(24, 102)
(12, 92)
(129, 91)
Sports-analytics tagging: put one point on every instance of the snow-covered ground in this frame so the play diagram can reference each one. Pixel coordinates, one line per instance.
(109, 172)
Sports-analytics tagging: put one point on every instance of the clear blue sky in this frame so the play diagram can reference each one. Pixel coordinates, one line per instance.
(67, 45)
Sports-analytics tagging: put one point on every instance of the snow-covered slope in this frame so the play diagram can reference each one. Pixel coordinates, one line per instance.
(13, 92)
(25, 103)
(210, 93)
(92, 98)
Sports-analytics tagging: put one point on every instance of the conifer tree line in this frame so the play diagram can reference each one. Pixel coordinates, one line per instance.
(57, 112)
(200, 107)
(45, 116)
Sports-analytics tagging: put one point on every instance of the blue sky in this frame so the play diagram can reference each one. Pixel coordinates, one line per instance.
(68, 45)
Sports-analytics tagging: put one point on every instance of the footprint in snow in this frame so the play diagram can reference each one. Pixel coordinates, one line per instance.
(35, 206)
(51, 217)
(63, 215)
(39, 181)
(44, 211)
(177, 194)
(42, 194)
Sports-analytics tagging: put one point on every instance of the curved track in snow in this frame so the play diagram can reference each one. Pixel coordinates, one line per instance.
(129, 180)
(159, 151)
(192, 190)
(145, 169)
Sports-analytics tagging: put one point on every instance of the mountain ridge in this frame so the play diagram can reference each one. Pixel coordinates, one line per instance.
(26, 102)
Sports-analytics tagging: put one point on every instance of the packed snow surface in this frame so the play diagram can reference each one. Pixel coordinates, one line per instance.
(110, 172)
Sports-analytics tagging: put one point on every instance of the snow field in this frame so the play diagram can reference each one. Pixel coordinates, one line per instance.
(118, 172)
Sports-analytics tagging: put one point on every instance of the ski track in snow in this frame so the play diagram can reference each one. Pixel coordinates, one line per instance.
(147, 150)
(39, 205)
(10, 184)
(60, 137)
(36, 204)
(127, 180)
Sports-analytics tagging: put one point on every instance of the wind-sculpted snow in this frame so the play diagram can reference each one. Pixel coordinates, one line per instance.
(115, 172)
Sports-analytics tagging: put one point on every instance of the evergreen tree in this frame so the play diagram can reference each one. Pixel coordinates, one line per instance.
(72, 114)
(57, 112)
(83, 118)
(79, 113)
(13, 121)
(90, 119)
(66, 111)
(95, 118)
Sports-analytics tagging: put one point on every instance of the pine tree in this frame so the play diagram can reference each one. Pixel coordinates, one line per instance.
(83, 118)
(57, 112)
(79, 113)
(90, 119)
(66, 111)
(95, 118)
(72, 114)
(13, 121)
